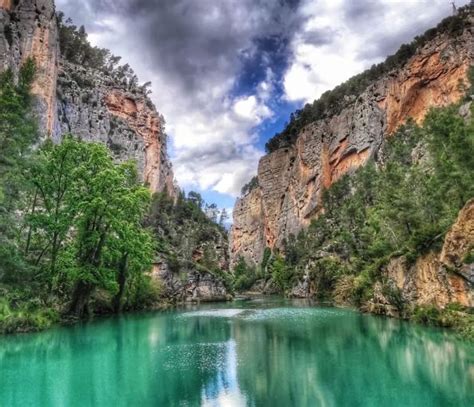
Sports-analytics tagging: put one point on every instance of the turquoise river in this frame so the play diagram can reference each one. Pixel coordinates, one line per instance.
(247, 353)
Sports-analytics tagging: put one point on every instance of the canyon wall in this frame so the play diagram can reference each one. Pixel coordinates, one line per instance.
(432, 279)
(91, 104)
(291, 179)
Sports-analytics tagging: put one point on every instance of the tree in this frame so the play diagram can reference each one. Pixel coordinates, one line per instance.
(224, 216)
(280, 272)
(109, 205)
(196, 199)
(18, 132)
(86, 228)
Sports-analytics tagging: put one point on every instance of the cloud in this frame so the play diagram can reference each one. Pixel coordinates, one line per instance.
(196, 53)
(221, 70)
(341, 38)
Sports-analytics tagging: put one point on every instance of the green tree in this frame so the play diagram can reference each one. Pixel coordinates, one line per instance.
(18, 132)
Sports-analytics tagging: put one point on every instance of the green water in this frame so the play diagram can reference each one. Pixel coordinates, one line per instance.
(257, 353)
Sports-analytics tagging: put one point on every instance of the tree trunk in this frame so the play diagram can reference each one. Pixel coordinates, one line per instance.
(30, 229)
(121, 280)
(80, 300)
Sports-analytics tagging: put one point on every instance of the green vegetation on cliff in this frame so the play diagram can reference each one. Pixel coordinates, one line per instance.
(71, 222)
(191, 235)
(401, 206)
(333, 101)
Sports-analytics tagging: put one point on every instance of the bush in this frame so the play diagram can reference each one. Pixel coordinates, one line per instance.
(244, 276)
(427, 314)
(25, 318)
(454, 316)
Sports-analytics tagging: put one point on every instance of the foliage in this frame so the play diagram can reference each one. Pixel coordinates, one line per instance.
(401, 208)
(25, 317)
(79, 188)
(190, 234)
(332, 102)
(76, 48)
(454, 316)
(244, 275)
(280, 272)
(250, 186)
(17, 134)
(71, 221)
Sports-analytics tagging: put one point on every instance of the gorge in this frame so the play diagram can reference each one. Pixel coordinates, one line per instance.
(349, 253)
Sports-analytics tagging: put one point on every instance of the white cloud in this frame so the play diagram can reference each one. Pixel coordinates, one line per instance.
(192, 51)
(349, 37)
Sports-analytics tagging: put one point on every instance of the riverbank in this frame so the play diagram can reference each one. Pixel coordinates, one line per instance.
(30, 317)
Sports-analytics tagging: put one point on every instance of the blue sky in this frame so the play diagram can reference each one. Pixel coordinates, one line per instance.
(227, 74)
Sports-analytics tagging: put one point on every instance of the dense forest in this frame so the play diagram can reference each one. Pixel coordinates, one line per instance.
(401, 207)
(334, 101)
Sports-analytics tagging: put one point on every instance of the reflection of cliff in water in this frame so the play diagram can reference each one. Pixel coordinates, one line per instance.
(255, 355)
(347, 359)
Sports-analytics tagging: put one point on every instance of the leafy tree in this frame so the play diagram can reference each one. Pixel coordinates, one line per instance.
(85, 229)
(280, 272)
(244, 275)
(18, 132)
(223, 217)
(196, 199)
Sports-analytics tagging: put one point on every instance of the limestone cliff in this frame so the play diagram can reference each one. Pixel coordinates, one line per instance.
(28, 28)
(291, 178)
(440, 278)
(102, 102)
(92, 104)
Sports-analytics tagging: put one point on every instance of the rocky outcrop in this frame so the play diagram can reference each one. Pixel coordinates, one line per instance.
(190, 285)
(248, 234)
(291, 179)
(91, 104)
(29, 29)
(440, 279)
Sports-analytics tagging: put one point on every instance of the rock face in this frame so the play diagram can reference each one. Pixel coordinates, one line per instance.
(440, 279)
(88, 103)
(191, 286)
(29, 29)
(291, 179)
(93, 106)
(100, 105)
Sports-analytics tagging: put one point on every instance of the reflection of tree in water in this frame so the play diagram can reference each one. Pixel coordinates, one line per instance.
(146, 360)
(285, 357)
(350, 360)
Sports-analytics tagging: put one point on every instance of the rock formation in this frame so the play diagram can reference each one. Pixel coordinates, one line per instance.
(88, 103)
(98, 104)
(444, 278)
(291, 179)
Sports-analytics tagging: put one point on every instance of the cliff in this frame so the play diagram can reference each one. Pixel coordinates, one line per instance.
(93, 104)
(292, 177)
(80, 89)
(437, 278)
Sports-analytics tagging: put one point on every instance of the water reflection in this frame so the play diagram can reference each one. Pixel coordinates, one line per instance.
(252, 354)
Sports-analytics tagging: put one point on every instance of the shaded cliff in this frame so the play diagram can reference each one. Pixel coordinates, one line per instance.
(293, 176)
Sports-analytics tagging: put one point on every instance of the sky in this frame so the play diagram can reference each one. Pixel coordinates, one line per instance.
(226, 74)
